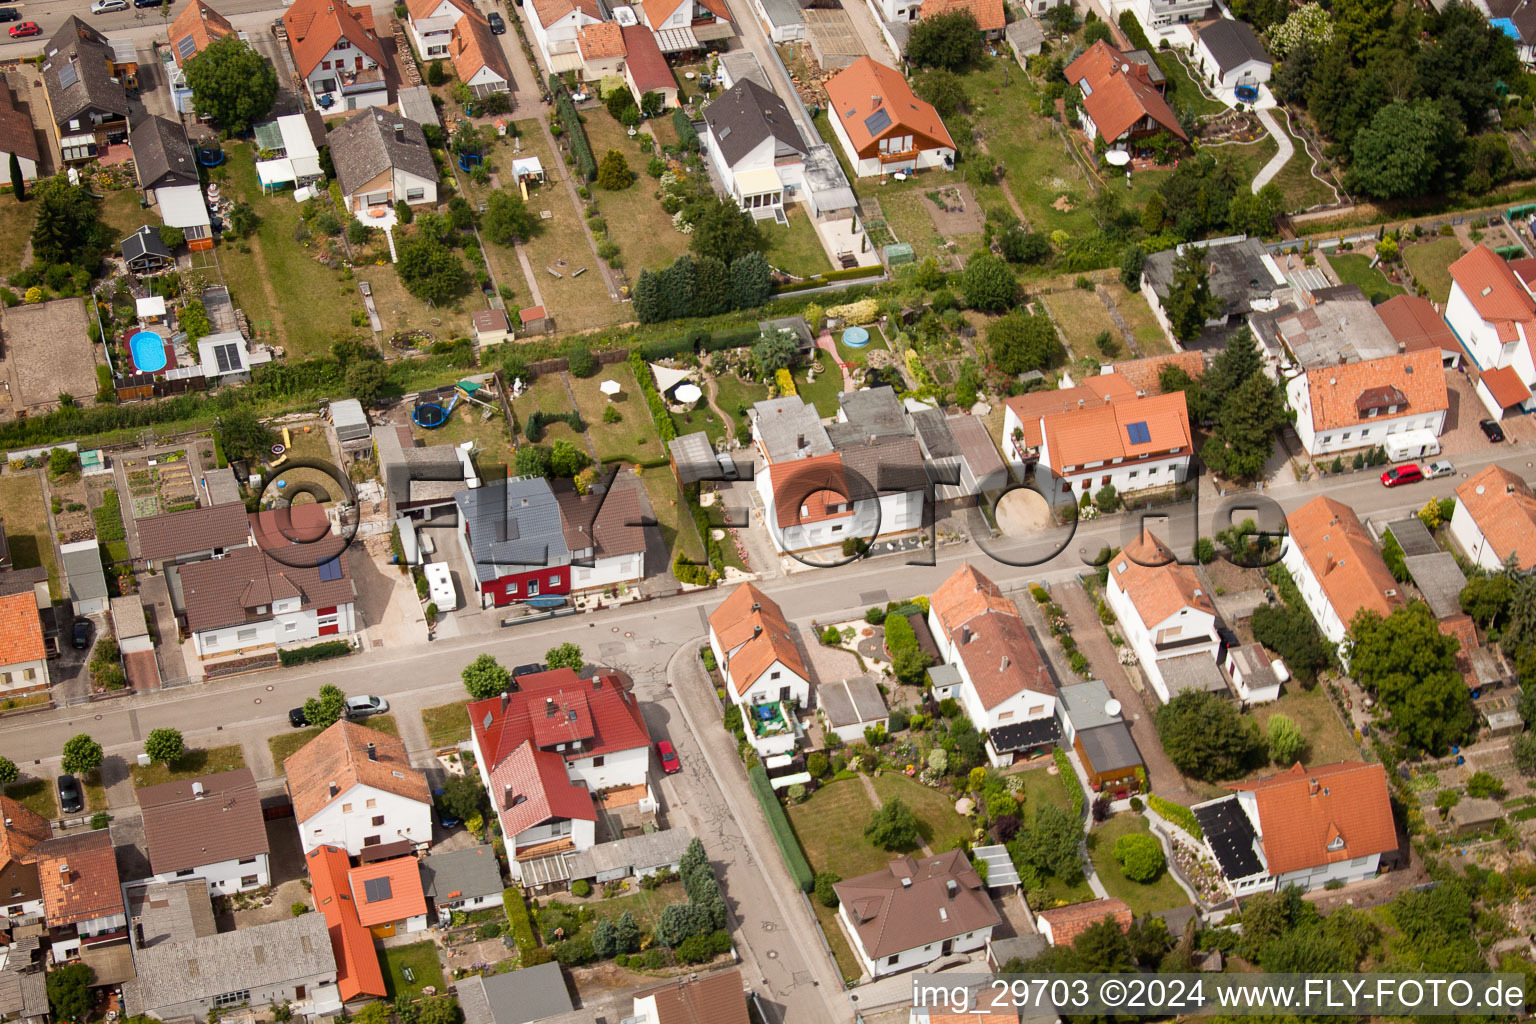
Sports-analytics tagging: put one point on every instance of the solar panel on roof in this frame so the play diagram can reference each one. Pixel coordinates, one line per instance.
(377, 889)
(330, 570)
(187, 47)
(1138, 432)
(68, 76)
(878, 122)
(226, 356)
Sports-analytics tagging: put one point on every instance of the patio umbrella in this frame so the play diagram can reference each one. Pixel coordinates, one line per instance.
(688, 393)
(609, 387)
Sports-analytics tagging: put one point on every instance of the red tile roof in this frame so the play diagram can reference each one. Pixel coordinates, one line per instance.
(601, 41)
(987, 634)
(1346, 562)
(531, 786)
(21, 631)
(1145, 374)
(817, 485)
(1158, 586)
(357, 965)
(78, 875)
(1068, 922)
(550, 11)
(1342, 396)
(989, 14)
(1120, 93)
(1416, 324)
(400, 897)
(615, 720)
(1503, 508)
(1505, 385)
(420, 9)
(1082, 436)
(865, 87)
(339, 757)
(752, 621)
(315, 26)
(1496, 294)
(1329, 813)
(1093, 392)
(474, 48)
(22, 830)
(965, 595)
(658, 11)
(646, 65)
(718, 999)
(202, 24)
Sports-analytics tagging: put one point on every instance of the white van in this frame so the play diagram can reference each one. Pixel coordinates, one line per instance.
(1411, 444)
(440, 589)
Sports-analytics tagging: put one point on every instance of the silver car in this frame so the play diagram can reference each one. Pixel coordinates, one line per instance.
(108, 6)
(362, 707)
(1439, 469)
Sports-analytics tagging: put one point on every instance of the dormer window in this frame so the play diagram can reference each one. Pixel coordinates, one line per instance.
(1336, 845)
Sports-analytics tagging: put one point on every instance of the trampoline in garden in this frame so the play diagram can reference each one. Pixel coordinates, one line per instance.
(210, 156)
(856, 337)
(1247, 93)
(148, 350)
(430, 413)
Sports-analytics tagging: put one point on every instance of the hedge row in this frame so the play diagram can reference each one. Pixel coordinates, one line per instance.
(1132, 29)
(699, 340)
(1069, 781)
(822, 280)
(783, 834)
(533, 429)
(687, 138)
(521, 923)
(1177, 813)
(570, 120)
(314, 652)
(663, 419)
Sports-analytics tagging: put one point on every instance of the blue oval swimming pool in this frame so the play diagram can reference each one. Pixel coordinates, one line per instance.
(856, 337)
(148, 350)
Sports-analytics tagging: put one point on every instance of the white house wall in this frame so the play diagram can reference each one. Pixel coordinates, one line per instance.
(445, 907)
(225, 876)
(767, 687)
(404, 818)
(1345, 871)
(608, 572)
(1473, 544)
(582, 835)
(1362, 435)
(287, 627)
(915, 957)
(1328, 620)
(620, 768)
(24, 675)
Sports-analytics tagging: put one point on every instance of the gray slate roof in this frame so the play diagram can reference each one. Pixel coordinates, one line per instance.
(873, 411)
(743, 64)
(367, 146)
(1083, 704)
(788, 426)
(694, 457)
(1440, 579)
(179, 911)
(1192, 672)
(1025, 36)
(1253, 663)
(91, 86)
(162, 154)
(516, 997)
(264, 957)
(415, 102)
(470, 873)
(512, 525)
(745, 115)
(87, 581)
(852, 701)
(1413, 536)
(144, 242)
(1233, 44)
(1111, 746)
(649, 850)
(1238, 274)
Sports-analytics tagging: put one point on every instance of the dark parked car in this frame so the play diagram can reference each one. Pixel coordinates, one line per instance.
(443, 817)
(296, 718)
(498, 26)
(1492, 431)
(528, 670)
(9, 14)
(71, 800)
(82, 634)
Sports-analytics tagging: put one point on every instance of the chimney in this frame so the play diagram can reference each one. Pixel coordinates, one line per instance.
(1312, 787)
(906, 883)
(506, 797)
(506, 699)
(1004, 666)
(1328, 564)
(334, 790)
(965, 634)
(373, 752)
(951, 888)
(399, 131)
(799, 440)
(757, 606)
(549, 707)
(197, 790)
(874, 102)
(64, 879)
(757, 631)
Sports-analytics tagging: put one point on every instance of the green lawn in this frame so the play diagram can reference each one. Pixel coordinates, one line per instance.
(447, 724)
(1183, 90)
(95, 792)
(1138, 317)
(942, 827)
(1041, 788)
(466, 424)
(26, 524)
(795, 248)
(1355, 268)
(285, 292)
(636, 222)
(193, 763)
(830, 826)
(645, 905)
(842, 953)
(672, 517)
(15, 229)
(1302, 190)
(122, 215)
(633, 438)
(1162, 893)
(733, 393)
(284, 744)
(421, 958)
(36, 795)
(860, 356)
(1082, 317)
(823, 393)
(547, 394)
(1328, 741)
(1431, 265)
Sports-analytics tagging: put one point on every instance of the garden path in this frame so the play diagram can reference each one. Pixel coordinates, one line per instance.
(827, 345)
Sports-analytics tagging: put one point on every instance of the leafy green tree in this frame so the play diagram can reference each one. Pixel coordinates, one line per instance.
(326, 708)
(944, 90)
(613, 173)
(367, 381)
(908, 660)
(1023, 341)
(680, 922)
(1050, 847)
(82, 754)
(1286, 743)
(66, 228)
(69, 991)
(751, 280)
(712, 287)
(485, 677)
(1132, 260)
(1410, 666)
(567, 655)
(1206, 738)
(1190, 303)
(231, 83)
(164, 745)
(242, 434)
(893, 826)
(950, 41)
(580, 360)
(430, 270)
(243, 220)
(1485, 598)
(439, 1010)
(1467, 64)
(462, 796)
(18, 182)
(507, 219)
(626, 933)
(1021, 246)
(8, 772)
(604, 943)
(826, 895)
(988, 284)
(566, 460)
(774, 351)
(1403, 152)
(532, 460)
(1141, 856)
(725, 231)
(1523, 747)
(1244, 437)
(1255, 214)
(649, 304)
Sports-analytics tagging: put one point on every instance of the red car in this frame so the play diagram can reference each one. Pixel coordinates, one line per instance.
(1409, 474)
(25, 28)
(669, 762)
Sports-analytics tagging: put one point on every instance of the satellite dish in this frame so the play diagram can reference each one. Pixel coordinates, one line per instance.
(1112, 708)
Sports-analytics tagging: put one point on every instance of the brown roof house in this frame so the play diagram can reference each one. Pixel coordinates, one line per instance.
(992, 666)
(194, 28)
(382, 158)
(210, 828)
(18, 137)
(193, 535)
(22, 832)
(757, 653)
(86, 101)
(1062, 925)
(354, 787)
(718, 998)
(82, 900)
(912, 912)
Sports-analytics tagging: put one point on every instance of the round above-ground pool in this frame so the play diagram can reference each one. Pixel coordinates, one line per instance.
(855, 337)
(148, 350)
